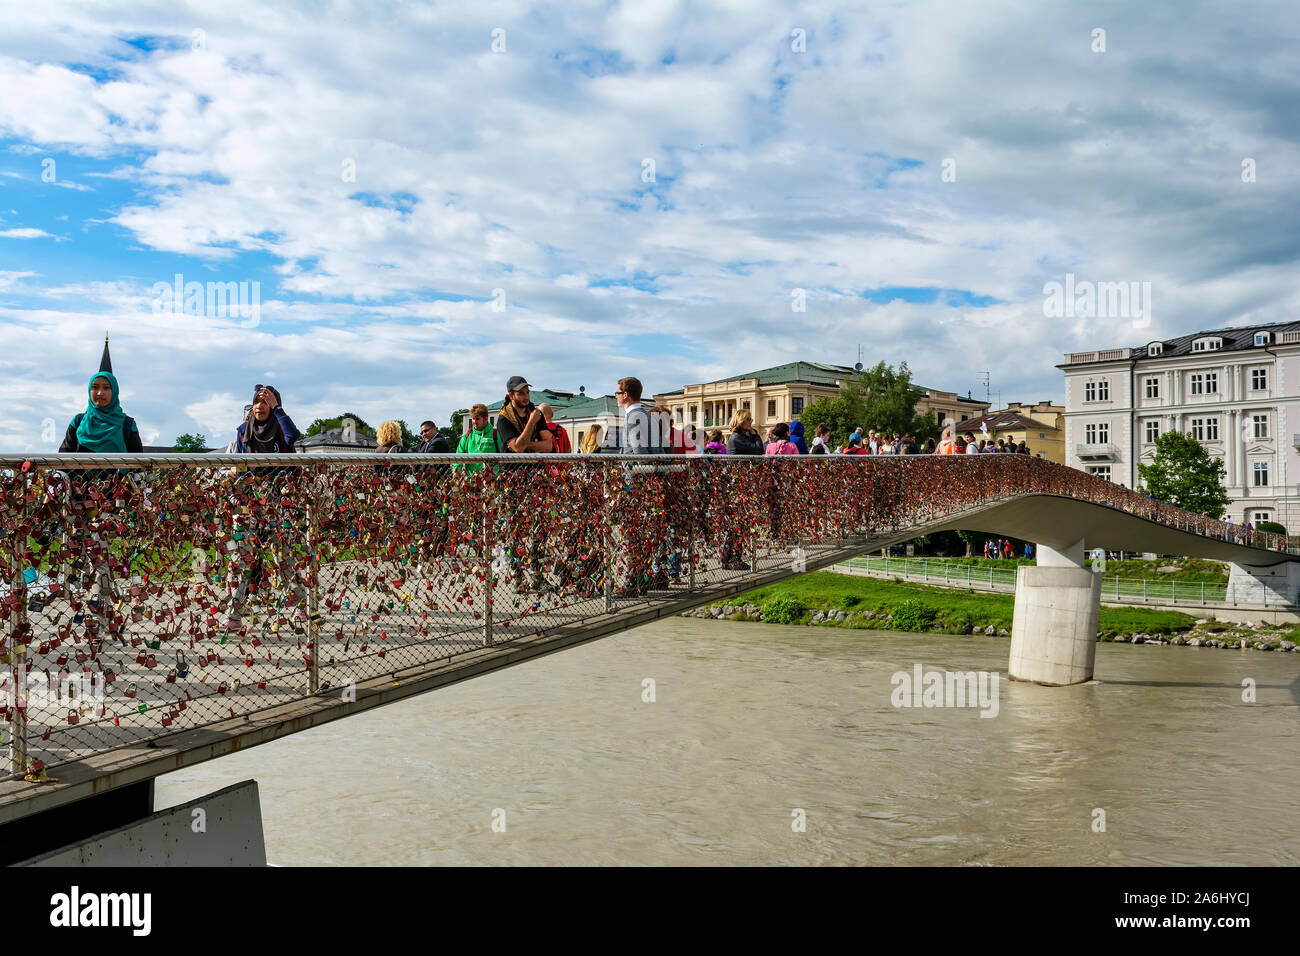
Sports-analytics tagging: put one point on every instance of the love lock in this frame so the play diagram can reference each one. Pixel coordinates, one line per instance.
(130, 691)
(73, 717)
(182, 665)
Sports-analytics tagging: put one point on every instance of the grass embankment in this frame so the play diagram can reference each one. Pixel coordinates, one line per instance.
(872, 603)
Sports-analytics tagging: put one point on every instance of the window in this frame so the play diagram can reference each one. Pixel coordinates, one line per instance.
(771, 408)
(1153, 387)
(1156, 348)
(1097, 391)
(1263, 338)
(1096, 434)
(1205, 383)
(1207, 345)
(1259, 516)
(1261, 425)
(796, 406)
(677, 414)
(1259, 379)
(695, 412)
(1101, 471)
(1153, 432)
(1042, 434)
(744, 404)
(1205, 429)
(1198, 383)
(1261, 474)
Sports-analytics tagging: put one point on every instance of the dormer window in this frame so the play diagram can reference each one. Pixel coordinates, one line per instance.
(1263, 338)
(1209, 344)
(1156, 348)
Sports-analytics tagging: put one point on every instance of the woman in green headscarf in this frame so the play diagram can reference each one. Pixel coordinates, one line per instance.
(103, 426)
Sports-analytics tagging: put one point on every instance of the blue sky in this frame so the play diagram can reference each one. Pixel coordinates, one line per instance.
(390, 181)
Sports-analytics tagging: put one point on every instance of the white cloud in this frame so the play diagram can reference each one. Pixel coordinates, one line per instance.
(523, 171)
(25, 234)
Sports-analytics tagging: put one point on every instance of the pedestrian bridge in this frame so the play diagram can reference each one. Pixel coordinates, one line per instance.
(159, 611)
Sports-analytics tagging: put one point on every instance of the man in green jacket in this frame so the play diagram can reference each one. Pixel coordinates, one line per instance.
(479, 440)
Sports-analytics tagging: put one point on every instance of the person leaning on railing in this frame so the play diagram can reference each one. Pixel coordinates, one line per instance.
(266, 429)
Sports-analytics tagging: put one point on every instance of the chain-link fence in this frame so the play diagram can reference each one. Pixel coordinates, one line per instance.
(152, 594)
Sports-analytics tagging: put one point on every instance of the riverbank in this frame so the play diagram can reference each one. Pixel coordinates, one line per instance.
(826, 599)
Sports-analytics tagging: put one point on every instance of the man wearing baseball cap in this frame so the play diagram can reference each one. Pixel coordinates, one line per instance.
(520, 425)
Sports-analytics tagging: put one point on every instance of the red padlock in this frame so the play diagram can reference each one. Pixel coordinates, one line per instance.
(221, 688)
(72, 716)
(261, 685)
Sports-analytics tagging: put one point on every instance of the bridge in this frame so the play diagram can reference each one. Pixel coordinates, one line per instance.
(159, 611)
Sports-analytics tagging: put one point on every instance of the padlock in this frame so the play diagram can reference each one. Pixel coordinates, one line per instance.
(261, 685)
(166, 721)
(182, 666)
(43, 648)
(72, 715)
(109, 677)
(61, 659)
(130, 690)
(151, 661)
(171, 676)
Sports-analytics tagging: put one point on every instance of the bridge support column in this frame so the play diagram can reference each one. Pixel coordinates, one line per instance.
(1275, 584)
(1054, 631)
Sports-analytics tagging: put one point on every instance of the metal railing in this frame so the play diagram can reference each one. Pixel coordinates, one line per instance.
(150, 594)
(940, 572)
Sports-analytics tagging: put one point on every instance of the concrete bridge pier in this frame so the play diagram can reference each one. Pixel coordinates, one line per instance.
(1275, 584)
(1054, 632)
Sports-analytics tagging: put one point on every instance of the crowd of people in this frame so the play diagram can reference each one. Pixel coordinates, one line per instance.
(523, 427)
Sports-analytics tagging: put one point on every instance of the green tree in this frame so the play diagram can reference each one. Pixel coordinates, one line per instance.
(882, 398)
(453, 431)
(325, 424)
(1183, 473)
(190, 443)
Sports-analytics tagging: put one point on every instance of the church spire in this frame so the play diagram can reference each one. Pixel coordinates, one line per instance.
(105, 362)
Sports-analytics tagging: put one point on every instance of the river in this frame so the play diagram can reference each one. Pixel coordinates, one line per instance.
(561, 761)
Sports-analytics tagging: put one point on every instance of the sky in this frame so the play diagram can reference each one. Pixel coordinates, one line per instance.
(416, 201)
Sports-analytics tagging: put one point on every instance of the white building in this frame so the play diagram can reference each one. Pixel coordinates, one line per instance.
(1234, 390)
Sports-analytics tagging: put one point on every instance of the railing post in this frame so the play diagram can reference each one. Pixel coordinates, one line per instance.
(313, 598)
(606, 560)
(18, 651)
(990, 577)
(1117, 587)
(489, 579)
(1202, 593)
(968, 571)
(690, 554)
(1144, 590)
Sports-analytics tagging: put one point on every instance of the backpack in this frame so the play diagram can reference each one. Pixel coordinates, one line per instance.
(559, 439)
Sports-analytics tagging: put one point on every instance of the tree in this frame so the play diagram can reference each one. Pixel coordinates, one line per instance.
(882, 398)
(457, 426)
(1183, 473)
(325, 424)
(188, 443)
